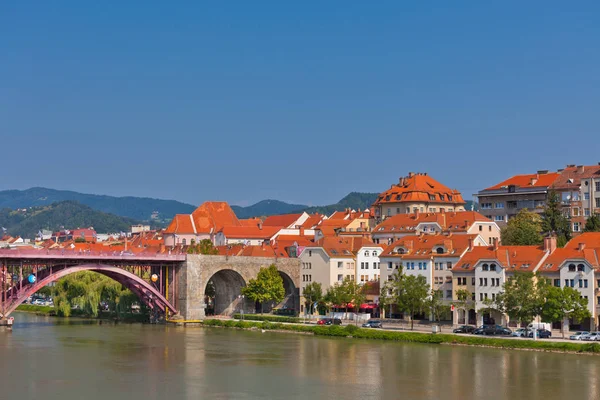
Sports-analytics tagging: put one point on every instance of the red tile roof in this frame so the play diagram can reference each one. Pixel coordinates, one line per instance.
(425, 246)
(560, 256)
(458, 221)
(337, 247)
(528, 181)
(589, 239)
(512, 258)
(210, 217)
(419, 187)
(250, 232)
(284, 220)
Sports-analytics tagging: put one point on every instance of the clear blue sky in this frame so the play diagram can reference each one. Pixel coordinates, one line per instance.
(298, 101)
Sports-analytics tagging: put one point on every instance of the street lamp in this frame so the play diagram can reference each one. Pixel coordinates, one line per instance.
(241, 298)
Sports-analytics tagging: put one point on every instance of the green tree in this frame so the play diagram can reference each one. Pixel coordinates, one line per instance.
(411, 294)
(436, 305)
(205, 247)
(386, 297)
(313, 293)
(522, 297)
(564, 303)
(554, 221)
(525, 229)
(592, 224)
(267, 287)
(463, 302)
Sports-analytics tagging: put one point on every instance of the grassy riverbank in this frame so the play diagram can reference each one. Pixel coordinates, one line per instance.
(51, 312)
(412, 337)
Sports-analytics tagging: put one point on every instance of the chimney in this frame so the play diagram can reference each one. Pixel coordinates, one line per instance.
(495, 243)
(448, 245)
(301, 231)
(580, 169)
(466, 223)
(260, 225)
(471, 244)
(263, 245)
(550, 244)
(533, 181)
(416, 213)
(581, 246)
(408, 244)
(411, 174)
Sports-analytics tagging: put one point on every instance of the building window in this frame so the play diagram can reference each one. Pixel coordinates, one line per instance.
(580, 267)
(480, 228)
(480, 281)
(572, 282)
(484, 281)
(576, 212)
(183, 242)
(492, 267)
(557, 282)
(449, 265)
(585, 283)
(362, 265)
(340, 264)
(571, 267)
(499, 205)
(576, 227)
(597, 186)
(473, 281)
(310, 253)
(389, 266)
(586, 196)
(499, 218)
(485, 267)
(340, 277)
(480, 296)
(597, 199)
(486, 206)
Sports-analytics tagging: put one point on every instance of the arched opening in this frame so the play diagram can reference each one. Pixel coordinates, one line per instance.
(290, 303)
(223, 294)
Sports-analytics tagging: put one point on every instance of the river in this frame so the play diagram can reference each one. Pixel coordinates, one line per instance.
(48, 358)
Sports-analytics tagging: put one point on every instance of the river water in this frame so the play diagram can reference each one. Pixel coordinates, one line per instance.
(48, 358)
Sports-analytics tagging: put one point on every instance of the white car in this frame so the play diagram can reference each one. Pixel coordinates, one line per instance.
(591, 337)
(578, 335)
(521, 332)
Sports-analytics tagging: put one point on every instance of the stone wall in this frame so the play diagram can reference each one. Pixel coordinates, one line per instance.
(199, 269)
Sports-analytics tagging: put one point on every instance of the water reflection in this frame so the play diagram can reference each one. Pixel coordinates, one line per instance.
(45, 359)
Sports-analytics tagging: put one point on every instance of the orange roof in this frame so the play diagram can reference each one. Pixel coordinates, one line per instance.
(284, 220)
(289, 240)
(528, 181)
(250, 232)
(456, 221)
(337, 247)
(251, 221)
(560, 256)
(425, 246)
(419, 187)
(312, 221)
(210, 217)
(512, 258)
(590, 239)
(570, 177)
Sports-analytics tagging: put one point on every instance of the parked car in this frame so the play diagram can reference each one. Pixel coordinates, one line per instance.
(521, 332)
(591, 337)
(578, 335)
(492, 330)
(329, 321)
(541, 333)
(539, 325)
(372, 323)
(464, 329)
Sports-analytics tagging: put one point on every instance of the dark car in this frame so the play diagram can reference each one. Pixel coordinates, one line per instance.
(372, 323)
(541, 333)
(464, 329)
(492, 330)
(329, 321)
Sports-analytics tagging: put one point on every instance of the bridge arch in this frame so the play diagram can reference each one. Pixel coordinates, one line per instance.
(146, 292)
(227, 285)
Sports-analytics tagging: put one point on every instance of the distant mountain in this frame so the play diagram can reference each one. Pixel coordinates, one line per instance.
(69, 214)
(355, 200)
(139, 208)
(266, 208)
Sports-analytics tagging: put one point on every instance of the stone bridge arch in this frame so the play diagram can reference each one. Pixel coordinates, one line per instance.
(228, 272)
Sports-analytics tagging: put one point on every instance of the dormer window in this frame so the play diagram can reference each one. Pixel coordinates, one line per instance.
(492, 267)
(580, 267)
(571, 267)
(440, 250)
(485, 267)
(400, 250)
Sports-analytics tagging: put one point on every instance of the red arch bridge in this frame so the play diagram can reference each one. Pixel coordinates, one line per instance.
(133, 271)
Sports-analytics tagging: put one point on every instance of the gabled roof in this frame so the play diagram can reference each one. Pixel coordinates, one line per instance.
(539, 180)
(589, 239)
(420, 187)
(337, 247)
(560, 256)
(512, 258)
(209, 218)
(456, 221)
(251, 221)
(285, 220)
(312, 221)
(425, 246)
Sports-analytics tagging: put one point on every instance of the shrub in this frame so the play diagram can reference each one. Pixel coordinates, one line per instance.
(270, 318)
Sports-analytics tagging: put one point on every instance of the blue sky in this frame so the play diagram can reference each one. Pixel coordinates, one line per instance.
(298, 101)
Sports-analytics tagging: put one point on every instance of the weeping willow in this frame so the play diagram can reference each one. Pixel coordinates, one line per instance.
(85, 290)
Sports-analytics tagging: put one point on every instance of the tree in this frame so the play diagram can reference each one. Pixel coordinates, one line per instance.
(205, 247)
(411, 293)
(386, 297)
(313, 293)
(463, 302)
(436, 305)
(522, 297)
(562, 304)
(267, 287)
(524, 229)
(554, 221)
(592, 224)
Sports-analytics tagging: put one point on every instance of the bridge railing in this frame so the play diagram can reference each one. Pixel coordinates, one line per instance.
(88, 254)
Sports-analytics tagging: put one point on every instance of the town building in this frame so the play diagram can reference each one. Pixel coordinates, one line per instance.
(417, 192)
(368, 267)
(430, 256)
(461, 222)
(505, 199)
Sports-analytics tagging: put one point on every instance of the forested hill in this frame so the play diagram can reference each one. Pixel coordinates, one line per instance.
(69, 214)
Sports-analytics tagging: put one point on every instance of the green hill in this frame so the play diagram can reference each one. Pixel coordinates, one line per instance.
(266, 208)
(355, 200)
(69, 214)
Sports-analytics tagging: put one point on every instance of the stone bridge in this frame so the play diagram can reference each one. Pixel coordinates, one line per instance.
(228, 275)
